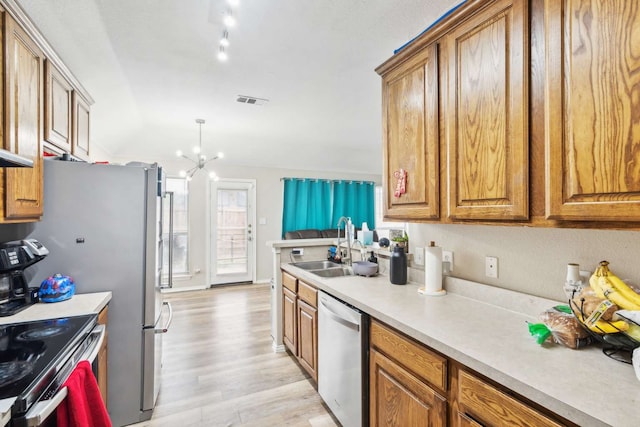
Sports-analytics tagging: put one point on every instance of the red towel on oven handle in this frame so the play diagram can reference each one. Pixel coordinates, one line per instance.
(83, 406)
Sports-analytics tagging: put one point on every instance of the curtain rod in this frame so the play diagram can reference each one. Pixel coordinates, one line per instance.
(330, 180)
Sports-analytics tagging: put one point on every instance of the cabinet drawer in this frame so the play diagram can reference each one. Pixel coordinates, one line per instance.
(308, 294)
(289, 282)
(488, 405)
(422, 362)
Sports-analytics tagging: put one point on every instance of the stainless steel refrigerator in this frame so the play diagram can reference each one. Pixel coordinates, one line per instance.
(102, 225)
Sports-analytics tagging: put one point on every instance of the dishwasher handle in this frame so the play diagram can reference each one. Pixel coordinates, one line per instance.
(335, 316)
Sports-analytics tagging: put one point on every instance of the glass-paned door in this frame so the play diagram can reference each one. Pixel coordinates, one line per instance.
(232, 243)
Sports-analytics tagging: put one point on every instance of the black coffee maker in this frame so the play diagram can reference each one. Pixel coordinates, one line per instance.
(15, 256)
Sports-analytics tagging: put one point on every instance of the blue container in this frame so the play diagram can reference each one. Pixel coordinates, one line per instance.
(56, 288)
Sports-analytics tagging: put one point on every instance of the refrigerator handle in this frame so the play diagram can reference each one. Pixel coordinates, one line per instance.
(170, 275)
(165, 329)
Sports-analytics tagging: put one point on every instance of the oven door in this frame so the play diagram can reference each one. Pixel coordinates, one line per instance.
(54, 395)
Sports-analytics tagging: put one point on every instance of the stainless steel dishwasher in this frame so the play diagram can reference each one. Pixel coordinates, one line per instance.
(343, 360)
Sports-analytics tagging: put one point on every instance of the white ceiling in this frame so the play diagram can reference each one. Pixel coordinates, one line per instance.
(152, 68)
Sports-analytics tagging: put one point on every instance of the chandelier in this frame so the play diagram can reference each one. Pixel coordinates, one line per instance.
(200, 161)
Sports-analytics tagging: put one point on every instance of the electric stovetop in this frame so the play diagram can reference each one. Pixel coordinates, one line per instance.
(31, 353)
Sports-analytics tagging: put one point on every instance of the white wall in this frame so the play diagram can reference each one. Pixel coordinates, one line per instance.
(531, 260)
(269, 196)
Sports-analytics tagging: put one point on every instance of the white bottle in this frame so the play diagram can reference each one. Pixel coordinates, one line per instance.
(350, 230)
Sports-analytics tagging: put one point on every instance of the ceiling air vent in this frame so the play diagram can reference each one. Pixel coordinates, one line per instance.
(251, 100)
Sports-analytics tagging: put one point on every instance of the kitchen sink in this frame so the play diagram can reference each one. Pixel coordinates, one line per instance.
(333, 272)
(316, 265)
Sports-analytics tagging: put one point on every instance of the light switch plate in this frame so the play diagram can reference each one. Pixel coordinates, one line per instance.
(447, 256)
(418, 256)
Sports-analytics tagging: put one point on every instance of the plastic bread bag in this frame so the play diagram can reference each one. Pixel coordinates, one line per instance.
(563, 327)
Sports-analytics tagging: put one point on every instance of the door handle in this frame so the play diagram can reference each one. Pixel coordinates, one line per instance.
(165, 329)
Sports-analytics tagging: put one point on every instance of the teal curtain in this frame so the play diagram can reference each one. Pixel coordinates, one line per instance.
(355, 199)
(307, 204)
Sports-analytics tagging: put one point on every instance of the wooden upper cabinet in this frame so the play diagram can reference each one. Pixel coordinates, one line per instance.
(593, 131)
(58, 108)
(23, 71)
(81, 130)
(411, 137)
(486, 115)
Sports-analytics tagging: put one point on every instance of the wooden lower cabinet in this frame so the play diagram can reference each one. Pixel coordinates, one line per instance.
(398, 398)
(308, 338)
(412, 385)
(289, 321)
(407, 381)
(300, 322)
(481, 403)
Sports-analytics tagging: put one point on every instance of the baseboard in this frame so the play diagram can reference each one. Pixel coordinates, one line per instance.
(278, 348)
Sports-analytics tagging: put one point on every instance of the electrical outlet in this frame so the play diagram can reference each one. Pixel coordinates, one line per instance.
(447, 256)
(491, 267)
(297, 251)
(418, 256)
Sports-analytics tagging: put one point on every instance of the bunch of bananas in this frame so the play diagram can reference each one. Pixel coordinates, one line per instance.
(607, 285)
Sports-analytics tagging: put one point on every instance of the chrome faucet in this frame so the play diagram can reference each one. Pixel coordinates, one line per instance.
(346, 235)
(363, 248)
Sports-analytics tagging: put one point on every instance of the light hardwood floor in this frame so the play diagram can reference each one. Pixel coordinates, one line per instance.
(220, 370)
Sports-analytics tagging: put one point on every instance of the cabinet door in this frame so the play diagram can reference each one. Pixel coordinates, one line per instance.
(308, 338)
(487, 114)
(411, 138)
(57, 115)
(81, 130)
(289, 322)
(23, 123)
(593, 135)
(397, 398)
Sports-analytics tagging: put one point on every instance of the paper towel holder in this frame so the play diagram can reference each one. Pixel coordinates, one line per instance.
(431, 291)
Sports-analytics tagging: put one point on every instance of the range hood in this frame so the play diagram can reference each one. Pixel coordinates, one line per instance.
(11, 160)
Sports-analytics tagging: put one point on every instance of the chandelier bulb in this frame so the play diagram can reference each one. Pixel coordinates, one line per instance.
(179, 153)
(188, 178)
(196, 150)
(220, 155)
(182, 174)
(229, 20)
(222, 55)
(233, 3)
(212, 175)
(203, 157)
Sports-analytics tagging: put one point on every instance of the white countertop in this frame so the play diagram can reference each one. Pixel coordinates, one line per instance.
(77, 305)
(485, 329)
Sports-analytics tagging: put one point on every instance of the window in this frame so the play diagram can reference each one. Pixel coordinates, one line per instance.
(311, 203)
(180, 190)
(379, 208)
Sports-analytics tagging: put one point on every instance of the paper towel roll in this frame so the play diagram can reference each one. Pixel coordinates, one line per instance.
(433, 270)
